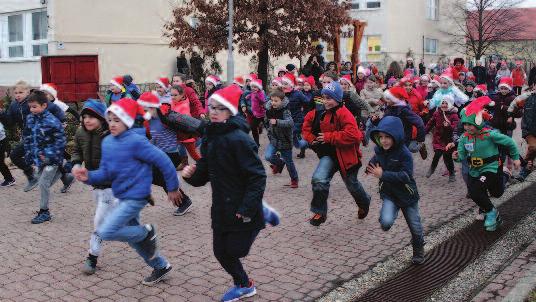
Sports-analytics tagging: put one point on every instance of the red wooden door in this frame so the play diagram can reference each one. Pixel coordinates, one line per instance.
(77, 77)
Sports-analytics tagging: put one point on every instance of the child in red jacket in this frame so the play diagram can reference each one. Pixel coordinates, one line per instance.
(334, 136)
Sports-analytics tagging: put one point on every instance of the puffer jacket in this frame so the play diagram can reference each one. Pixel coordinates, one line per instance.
(236, 174)
(296, 102)
(18, 112)
(87, 149)
(280, 134)
(46, 138)
(528, 122)
(443, 134)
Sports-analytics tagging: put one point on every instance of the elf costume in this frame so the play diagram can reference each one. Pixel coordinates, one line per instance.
(482, 153)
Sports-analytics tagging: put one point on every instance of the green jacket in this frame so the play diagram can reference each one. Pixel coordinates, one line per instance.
(483, 146)
(87, 147)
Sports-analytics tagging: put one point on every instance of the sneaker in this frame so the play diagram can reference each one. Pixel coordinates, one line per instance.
(418, 255)
(271, 216)
(185, 206)
(236, 293)
(293, 184)
(491, 220)
(276, 169)
(8, 183)
(69, 180)
(301, 154)
(362, 213)
(157, 275)
(90, 265)
(42, 216)
(318, 219)
(32, 183)
(423, 152)
(150, 243)
(452, 177)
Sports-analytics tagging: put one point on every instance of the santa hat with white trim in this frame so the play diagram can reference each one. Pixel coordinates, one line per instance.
(290, 79)
(251, 77)
(300, 79)
(256, 83)
(448, 75)
(228, 97)
(117, 82)
(163, 82)
(213, 79)
(346, 78)
(482, 87)
(50, 88)
(149, 100)
(507, 82)
(126, 109)
(277, 82)
(397, 95)
(239, 80)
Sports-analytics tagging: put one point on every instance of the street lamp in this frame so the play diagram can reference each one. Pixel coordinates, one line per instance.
(230, 58)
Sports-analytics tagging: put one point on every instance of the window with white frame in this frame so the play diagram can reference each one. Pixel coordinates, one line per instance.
(355, 4)
(23, 35)
(430, 46)
(366, 4)
(432, 9)
(371, 4)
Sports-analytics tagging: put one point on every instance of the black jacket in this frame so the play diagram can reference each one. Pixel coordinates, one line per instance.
(480, 74)
(236, 174)
(528, 123)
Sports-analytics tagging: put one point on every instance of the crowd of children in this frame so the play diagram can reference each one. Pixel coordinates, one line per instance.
(130, 140)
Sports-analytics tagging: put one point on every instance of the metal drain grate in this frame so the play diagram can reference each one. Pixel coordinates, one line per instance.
(450, 257)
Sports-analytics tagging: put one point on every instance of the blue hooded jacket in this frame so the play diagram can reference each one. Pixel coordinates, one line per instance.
(17, 114)
(397, 182)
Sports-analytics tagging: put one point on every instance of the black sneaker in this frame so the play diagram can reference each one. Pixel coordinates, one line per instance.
(317, 219)
(42, 216)
(69, 180)
(157, 275)
(362, 212)
(90, 265)
(150, 244)
(185, 206)
(32, 183)
(8, 183)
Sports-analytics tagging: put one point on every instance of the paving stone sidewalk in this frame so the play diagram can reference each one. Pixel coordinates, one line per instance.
(292, 262)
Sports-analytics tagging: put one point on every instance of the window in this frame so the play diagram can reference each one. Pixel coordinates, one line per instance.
(23, 35)
(374, 48)
(355, 4)
(432, 10)
(430, 46)
(373, 4)
(366, 4)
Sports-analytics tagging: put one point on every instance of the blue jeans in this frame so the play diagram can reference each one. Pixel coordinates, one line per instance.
(327, 167)
(123, 224)
(296, 136)
(388, 215)
(286, 158)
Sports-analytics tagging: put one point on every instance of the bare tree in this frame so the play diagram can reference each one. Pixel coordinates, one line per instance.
(476, 25)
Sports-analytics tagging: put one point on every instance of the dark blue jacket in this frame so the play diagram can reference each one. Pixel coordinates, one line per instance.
(127, 161)
(236, 174)
(397, 182)
(409, 119)
(45, 138)
(296, 104)
(17, 114)
(528, 123)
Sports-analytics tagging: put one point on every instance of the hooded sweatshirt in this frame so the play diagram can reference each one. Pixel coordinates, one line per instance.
(397, 182)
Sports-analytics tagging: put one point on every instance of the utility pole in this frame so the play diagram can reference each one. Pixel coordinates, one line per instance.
(230, 57)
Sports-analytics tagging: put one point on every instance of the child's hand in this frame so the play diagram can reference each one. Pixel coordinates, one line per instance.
(81, 174)
(273, 121)
(375, 170)
(455, 155)
(449, 146)
(244, 109)
(202, 115)
(517, 164)
(188, 171)
(320, 137)
(175, 198)
(510, 120)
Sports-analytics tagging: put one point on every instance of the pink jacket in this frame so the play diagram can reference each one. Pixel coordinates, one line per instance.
(257, 99)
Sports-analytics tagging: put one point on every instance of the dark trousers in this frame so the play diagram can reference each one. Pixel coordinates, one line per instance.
(447, 159)
(229, 247)
(255, 124)
(479, 187)
(158, 178)
(17, 158)
(518, 90)
(4, 170)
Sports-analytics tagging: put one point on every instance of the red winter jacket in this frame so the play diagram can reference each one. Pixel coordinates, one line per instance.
(444, 125)
(195, 105)
(416, 102)
(518, 77)
(340, 130)
(456, 72)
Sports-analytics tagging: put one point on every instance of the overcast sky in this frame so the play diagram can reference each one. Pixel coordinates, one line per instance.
(529, 3)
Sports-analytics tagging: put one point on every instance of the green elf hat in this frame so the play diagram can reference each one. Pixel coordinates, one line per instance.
(474, 114)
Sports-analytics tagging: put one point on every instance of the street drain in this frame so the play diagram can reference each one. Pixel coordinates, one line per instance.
(446, 260)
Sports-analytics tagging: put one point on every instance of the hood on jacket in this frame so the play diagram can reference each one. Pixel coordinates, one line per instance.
(284, 104)
(391, 125)
(96, 109)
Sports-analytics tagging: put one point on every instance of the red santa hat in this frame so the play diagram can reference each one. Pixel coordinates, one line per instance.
(228, 97)
(506, 82)
(290, 79)
(251, 77)
(481, 87)
(126, 110)
(311, 81)
(408, 73)
(163, 82)
(50, 88)
(117, 82)
(301, 79)
(404, 80)
(435, 80)
(213, 79)
(448, 75)
(346, 78)
(256, 83)
(280, 69)
(239, 80)
(397, 95)
(149, 99)
(277, 81)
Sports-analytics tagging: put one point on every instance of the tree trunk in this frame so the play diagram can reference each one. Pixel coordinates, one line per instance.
(262, 68)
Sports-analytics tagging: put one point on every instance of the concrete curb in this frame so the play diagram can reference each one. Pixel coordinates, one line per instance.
(523, 288)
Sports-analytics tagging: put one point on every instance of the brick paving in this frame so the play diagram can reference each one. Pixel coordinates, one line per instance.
(507, 279)
(292, 262)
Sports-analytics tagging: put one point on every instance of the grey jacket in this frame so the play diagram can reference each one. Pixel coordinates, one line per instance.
(280, 134)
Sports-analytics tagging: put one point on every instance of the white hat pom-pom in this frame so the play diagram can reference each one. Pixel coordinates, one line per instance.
(147, 116)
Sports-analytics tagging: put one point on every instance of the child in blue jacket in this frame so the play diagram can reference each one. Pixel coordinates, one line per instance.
(127, 161)
(44, 145)
(392, 164)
